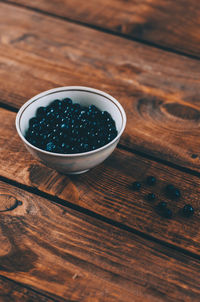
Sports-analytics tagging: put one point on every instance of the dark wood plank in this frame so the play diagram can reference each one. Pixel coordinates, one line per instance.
(159, 91)
(79, 258)
(14, 292)
(170, 24)
(106, 189)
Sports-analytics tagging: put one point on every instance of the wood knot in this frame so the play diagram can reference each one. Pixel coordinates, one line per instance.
(183, 111)
(8, 202)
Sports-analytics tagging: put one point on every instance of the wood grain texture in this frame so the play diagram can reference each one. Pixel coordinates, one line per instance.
(171, 24)
(14, 292)
(107, 190)
(79, 258)
(159, 91)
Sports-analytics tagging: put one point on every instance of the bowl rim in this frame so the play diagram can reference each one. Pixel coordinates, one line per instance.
(70, 88)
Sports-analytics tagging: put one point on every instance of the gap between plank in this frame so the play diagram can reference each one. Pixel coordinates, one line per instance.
(97, 216)
(102, 29)
(8, 107)
(159, 160)
(33, 290)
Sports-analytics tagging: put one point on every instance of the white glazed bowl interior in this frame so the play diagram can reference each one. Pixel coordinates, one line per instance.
(79, 162)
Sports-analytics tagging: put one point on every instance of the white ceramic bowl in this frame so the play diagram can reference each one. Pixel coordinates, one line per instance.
(79, 162)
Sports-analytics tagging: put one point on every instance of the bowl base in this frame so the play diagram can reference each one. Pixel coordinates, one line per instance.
(75, 173)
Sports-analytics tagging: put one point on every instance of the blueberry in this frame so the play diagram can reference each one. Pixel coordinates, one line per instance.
(62, 120)
(49, 110)
(105, 114)
(172, 192)
(151, 196)
(43, 136)
(77, 106)
(99, 142)
(55, 139)
(50, 114)
(48, 126)
(86, 147)
(50, 147)
(64, 127)
(41, 111)
(161, 206)
(63, 145)
(163, 210)
(167, 213)
(36, 127)
(33, 121)
(136, 186)
(56, 104)
(33, 141)
(32, 133)
(93, 108)
(151, 180)
(177, 193)
(170, 188)
(42, 122)
(67, 101)
(188, 210)
(49, 135)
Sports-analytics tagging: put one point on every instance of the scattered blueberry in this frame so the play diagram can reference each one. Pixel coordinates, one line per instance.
(163, 210)
(151, 196)
(177, 193)
(170, 188)
(167, 213)
(151, 180)
(172, 192)
(188, 210)
(136, 185)
(67, 127)
(161, 205)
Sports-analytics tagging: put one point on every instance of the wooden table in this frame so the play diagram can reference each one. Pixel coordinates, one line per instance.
(91, 237)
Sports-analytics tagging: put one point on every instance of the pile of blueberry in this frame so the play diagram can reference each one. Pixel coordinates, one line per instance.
(171, 192)
(66, 127)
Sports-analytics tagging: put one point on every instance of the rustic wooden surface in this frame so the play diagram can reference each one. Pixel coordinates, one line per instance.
(15, 292)
(170, 24)
(159, 90)
(79, 258)
(110, 195)
(91, 238)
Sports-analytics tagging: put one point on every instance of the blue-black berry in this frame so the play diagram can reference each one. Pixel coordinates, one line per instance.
(167, 213)
(41, 111)
(161, 205)
(151, 196)
(151, 180)
(67, 127)
(172, 192)
(163, 210)
(136, 186)
(188, 210)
